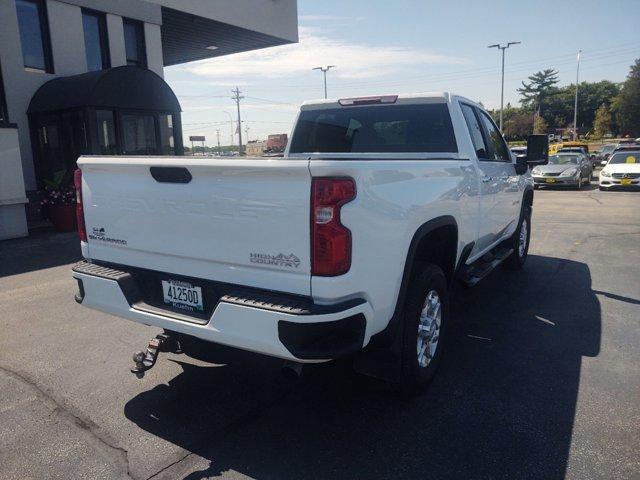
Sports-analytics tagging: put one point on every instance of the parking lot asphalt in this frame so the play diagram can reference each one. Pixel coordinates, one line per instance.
(542, 379)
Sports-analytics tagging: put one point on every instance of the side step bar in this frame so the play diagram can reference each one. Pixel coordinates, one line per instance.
(482, 267)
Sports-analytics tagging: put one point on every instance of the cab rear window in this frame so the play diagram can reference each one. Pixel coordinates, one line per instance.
(375, 129)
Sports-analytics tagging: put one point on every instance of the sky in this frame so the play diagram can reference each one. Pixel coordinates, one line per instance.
(405, 46)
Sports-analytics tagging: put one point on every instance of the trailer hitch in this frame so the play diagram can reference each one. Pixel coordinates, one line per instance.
(144, 361)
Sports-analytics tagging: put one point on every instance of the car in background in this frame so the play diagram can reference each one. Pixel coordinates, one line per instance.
(582, 150)
(519, 152)
(602, 155)
(627, 147)
(565, 169)
(556, 147)
(622, 170)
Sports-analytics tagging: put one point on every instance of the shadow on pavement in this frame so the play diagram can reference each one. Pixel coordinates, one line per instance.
(38, 251)
(502, 405)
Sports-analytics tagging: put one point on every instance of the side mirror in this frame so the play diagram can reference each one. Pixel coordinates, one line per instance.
(537, 150)
(521, 165)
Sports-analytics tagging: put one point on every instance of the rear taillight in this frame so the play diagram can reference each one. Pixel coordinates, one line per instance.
(330, 240)
(77, 182)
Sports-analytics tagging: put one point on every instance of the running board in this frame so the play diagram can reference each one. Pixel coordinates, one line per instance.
(482, 267)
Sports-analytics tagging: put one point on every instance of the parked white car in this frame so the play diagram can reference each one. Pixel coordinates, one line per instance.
(622, 170)
(347, 246)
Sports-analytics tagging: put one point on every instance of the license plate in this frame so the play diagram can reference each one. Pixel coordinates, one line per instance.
(625, 181)
(550, 180)
(182, 295)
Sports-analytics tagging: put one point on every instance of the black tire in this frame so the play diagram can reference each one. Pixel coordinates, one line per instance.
(517, 259)
(536, 187)
(413, 376)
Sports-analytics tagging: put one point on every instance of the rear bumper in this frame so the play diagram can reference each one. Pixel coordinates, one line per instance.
(270, 324)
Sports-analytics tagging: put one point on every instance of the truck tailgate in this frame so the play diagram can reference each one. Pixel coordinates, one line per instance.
(240, 221)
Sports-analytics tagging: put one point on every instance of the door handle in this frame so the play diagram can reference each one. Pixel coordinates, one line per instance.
(486, 179)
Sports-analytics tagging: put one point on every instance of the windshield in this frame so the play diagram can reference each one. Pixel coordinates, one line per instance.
(625, 157)
(371, 129)
(608, 148)
(563, 160)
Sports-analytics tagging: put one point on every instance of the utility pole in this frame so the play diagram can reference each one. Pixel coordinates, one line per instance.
(230, 127)
(237, 98)
(575, 103)
(503, 48)
(246, 132)
(324, 70)
(218, 135)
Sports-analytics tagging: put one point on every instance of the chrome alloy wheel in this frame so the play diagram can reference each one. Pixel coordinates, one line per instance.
(524, 235)
(429, 328)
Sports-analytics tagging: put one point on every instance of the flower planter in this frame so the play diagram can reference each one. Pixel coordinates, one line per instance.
(63, 217)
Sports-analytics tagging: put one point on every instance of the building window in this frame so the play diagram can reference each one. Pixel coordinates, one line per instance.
(107, 142)
(4, 114)
(96, 43)
(134, 43)
(167, 146)
(139, 134)
(34, 35)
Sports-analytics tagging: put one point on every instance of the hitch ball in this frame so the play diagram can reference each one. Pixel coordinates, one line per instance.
(138, 357)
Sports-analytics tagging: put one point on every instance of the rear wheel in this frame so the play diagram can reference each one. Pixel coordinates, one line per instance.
(519, 242)
(425, 329)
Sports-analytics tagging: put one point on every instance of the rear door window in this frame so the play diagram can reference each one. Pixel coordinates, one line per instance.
(477, 138)
(498, 149)
(422, 128)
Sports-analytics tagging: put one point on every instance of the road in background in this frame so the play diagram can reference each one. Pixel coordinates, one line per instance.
(542, 379)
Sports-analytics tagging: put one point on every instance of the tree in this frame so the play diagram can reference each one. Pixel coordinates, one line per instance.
(559, 111)
(518, 125)
(540, 125)
(541, 85)
(602, 122)
(627, 104)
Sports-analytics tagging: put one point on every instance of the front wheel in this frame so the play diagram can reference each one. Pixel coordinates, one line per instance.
(425, 328)
(519, 242)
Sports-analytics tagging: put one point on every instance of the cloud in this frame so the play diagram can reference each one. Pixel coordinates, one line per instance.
(354, 60)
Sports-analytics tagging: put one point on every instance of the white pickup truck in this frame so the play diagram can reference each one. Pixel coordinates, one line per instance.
(348, 246)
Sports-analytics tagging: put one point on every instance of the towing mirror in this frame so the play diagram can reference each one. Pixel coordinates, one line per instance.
(537, 150)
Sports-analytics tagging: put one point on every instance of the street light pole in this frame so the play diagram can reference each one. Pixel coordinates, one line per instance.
(324, 70)
(575, 103)
(503, 48)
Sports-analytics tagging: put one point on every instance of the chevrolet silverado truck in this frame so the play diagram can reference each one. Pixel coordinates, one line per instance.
(348, 246)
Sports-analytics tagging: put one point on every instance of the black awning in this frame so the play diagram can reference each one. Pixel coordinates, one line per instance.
(125, 87)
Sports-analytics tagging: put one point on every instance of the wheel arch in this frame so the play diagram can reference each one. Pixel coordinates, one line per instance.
(527, 197)
(435, 241)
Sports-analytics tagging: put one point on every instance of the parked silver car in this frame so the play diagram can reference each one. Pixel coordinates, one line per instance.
(564, 169)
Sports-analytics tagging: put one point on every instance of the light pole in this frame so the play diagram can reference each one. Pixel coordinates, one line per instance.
(324, 70)
(503, 48)
(575, 102)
